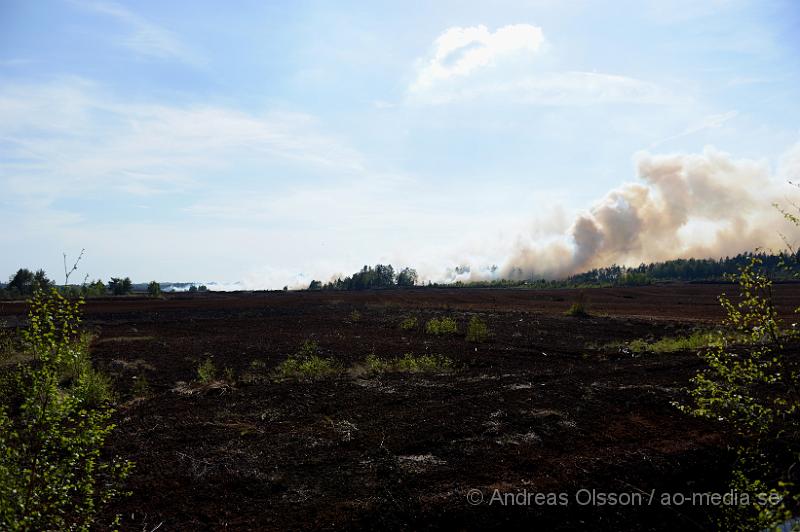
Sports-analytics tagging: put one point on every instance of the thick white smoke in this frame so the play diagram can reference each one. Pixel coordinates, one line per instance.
(705, 205)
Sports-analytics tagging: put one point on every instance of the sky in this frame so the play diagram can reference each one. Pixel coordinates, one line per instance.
(261, 144)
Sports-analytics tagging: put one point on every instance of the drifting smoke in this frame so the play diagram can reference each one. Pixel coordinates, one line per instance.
(699, 205)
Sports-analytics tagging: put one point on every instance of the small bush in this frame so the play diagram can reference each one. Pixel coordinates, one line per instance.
(314, 367)
(76, 360)
(423, 363)
(409, 363)
(441, 326)
(409, 323)
(695, 341)
(206, 371)
(94, 388)
(355, 316)
(54, 473)
(377, 365)
(477, 331)
(308, 349)
(306, 364)
(578, 309)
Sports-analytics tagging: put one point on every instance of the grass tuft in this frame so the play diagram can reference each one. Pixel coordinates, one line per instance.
(206, 371)
(409, 324)
(409, 363)
(578, 309)
(696, 340)
(307, 364)
(477, 331)
(439, 326)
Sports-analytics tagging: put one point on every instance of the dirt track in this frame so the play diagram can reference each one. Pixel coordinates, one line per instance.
(542, 407)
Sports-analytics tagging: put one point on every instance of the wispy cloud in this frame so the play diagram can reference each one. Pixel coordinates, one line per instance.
(15, 62)
(145, 38)
(714, 121)
(70, 138)
(473, 63)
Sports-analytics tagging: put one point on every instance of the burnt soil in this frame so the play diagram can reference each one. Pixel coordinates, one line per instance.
(543, 406)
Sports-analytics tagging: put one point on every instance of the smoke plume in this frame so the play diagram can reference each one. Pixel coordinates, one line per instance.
(705, 205)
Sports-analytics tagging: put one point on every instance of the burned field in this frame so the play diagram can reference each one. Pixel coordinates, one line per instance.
(546, 403)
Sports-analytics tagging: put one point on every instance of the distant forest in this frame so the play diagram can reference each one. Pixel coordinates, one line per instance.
(780, 267)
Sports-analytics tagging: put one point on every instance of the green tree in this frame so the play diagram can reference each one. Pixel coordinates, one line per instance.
(154, 289)
(53, 475)
(407, 277)
(119, 286)
(40, 281)
(21, 282)
(750, 386)
(96, 288)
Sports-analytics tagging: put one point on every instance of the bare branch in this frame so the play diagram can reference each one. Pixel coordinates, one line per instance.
(67, 272)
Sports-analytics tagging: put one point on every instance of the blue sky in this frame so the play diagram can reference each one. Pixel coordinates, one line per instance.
(271, 142)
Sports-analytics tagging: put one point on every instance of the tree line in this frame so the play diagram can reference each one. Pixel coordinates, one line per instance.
(25, 282)
(778, 266)
(379, 276)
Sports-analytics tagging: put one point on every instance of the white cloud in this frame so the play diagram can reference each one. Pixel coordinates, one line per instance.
(70, 137)
(460, 51)
(145, 37)
(473, 63)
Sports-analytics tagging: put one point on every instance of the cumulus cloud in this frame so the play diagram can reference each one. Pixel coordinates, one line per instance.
(472, 63)
(685, 205)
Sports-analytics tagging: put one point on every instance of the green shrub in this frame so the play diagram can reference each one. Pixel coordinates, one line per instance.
(308, 349)
(668, 344)
(409, 363)
(423, 363)
(477, 331)
(53, 473)
(355, 316)
(578, 309)
(409, 323)
(76, 360)
(206, 371)
(377, 365)
(441, 326)
(313, 367)
(306, 364)
(753, 391)
(94, 388)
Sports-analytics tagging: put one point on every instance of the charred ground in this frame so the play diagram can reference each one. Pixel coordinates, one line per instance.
(545, 405)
